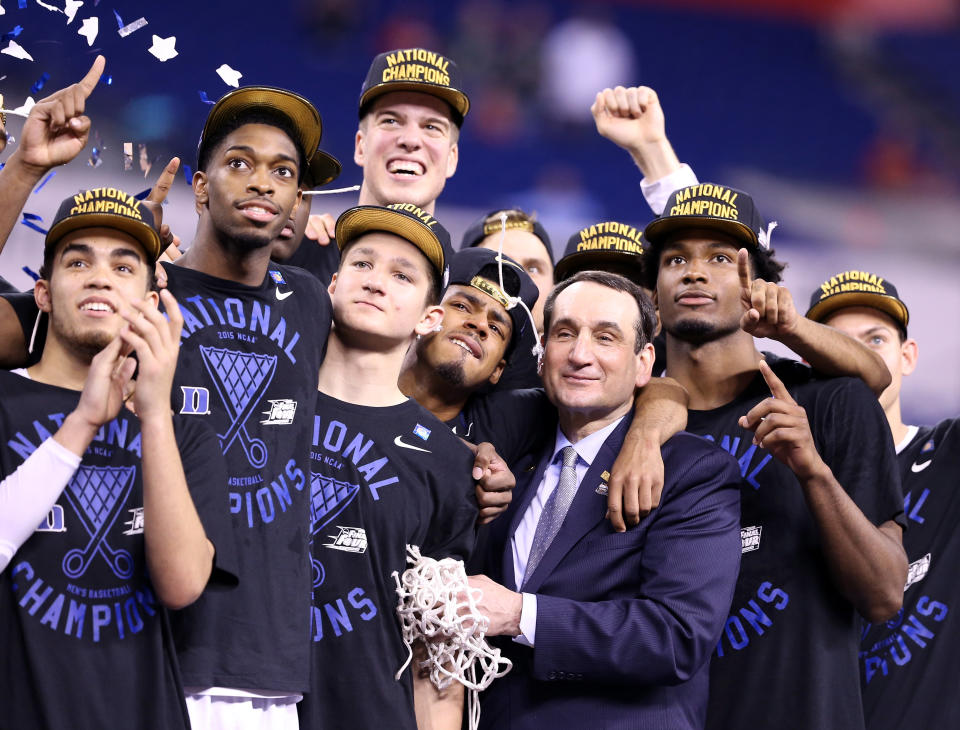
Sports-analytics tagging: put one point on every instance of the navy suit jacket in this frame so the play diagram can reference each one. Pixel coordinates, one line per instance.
(626, 622)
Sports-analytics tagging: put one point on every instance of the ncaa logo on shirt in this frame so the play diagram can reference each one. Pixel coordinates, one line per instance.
(350, 540)
(750, 538)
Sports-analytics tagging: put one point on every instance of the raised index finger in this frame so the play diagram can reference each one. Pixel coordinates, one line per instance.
(162, 187)
(743, 269)
(89, 82)
(777, 389)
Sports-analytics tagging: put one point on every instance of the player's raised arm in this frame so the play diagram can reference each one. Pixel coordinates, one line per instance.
(55, 132)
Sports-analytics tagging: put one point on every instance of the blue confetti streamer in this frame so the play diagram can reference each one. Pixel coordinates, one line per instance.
(204, 98)
(39, 83)
(143, 195)
(22, 4)
(44, 182)
(108, 80)
(119, 19)
(11, 34)
(28, 221)
(31, 273)
(188, 174)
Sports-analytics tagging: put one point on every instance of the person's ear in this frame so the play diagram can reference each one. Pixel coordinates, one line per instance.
(909, 354)
(431, 321)
(359, 148)
(333, 284)
(497, 372)
(644, 360)
(41, 295)
(452, 159)
(201, 194)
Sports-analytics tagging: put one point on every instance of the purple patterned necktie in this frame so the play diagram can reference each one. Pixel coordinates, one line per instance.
(554, 510)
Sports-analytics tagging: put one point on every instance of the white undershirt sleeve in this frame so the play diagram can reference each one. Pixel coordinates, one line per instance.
(656, 192)
(27, 495)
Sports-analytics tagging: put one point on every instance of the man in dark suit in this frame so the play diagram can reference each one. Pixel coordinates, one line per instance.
(611, 630)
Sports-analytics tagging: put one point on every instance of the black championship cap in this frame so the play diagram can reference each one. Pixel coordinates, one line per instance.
(302, 115)
(402, 219)
(322, 168)
(857, 289)
(106, 208)
(517, 220)
(416, 69)
(465, 268)
(712, 206)
(608, 246)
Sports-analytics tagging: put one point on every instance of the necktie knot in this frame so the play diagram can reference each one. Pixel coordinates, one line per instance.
(568, 454)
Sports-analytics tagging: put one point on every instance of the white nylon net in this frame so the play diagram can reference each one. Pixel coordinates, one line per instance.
(438, 608)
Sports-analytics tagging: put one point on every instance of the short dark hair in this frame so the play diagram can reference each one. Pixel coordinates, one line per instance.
(646, 322)
(254, 116)
(433, 291)
(46, 268)
(763, 263)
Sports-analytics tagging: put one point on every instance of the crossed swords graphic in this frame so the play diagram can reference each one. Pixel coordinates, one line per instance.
(76, 561)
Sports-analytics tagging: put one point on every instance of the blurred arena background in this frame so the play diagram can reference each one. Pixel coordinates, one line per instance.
(841, 117)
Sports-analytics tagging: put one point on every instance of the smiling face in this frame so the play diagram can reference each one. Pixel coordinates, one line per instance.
(698, 287)
(531, 253)
(93, 273)
(590, 365)
(469, 350)
(880, 333)
(407, 147)
(380, 291)
(249, 187)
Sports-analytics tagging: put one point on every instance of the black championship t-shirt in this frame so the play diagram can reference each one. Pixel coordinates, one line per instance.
(516, 422)
(910, 665)
(381, 478)
(85, 642)
(321, 261)
(249, 359)
(788, 655)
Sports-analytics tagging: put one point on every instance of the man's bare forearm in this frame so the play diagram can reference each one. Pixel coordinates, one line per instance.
(833, 353)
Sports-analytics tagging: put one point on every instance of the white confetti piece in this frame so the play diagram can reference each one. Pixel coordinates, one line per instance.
(42, 4)
(17, 51)
(89, 29)
(24, 110)
(230, 76)
(71, 9)
(163, 48)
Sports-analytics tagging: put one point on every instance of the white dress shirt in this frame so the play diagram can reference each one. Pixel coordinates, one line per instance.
(522, 539)
(656, 192)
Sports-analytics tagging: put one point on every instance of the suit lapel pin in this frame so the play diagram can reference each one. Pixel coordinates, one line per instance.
(602, 486)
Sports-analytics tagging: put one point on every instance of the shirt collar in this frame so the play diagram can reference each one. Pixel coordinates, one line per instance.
(588, 446)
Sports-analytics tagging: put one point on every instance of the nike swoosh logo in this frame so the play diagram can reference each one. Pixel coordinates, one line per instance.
(399, 442)
(282, 296)
(917, 468)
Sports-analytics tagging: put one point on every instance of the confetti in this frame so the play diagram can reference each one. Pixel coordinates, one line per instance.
(31, 273)
(38, 84)
(44, 182)
(135, 25)
(30, 221)
(108, 80)
(11, 34)
(145, 163)
(95, 160)
(24, 110)
(42, 4)
(230, 76)
(127, 156)
(163, 48)
(119, 19)
(188, 174)
(71, 9)
(89, 29)
(2, 11)
(17, 51)
(204, 98)
(22, 4)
